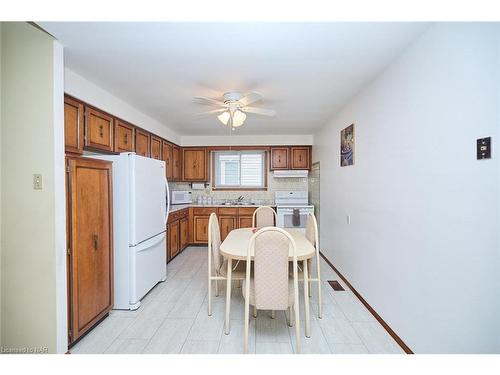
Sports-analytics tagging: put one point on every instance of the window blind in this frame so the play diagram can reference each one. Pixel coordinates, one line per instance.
(239, 169)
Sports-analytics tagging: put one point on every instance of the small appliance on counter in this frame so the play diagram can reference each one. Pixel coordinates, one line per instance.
(181, 197)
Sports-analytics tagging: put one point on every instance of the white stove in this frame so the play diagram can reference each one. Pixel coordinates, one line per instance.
(292, 208)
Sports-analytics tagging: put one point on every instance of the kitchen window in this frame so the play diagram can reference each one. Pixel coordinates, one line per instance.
(245, 170)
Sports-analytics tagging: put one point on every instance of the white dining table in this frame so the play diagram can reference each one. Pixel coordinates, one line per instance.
(235, 247)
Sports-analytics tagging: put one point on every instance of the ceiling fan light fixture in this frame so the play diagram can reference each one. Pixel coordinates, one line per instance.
(239, 118)
(224, 117)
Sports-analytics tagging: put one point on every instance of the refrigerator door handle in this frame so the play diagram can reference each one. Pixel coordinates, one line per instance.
(168, 200)
(145, 245)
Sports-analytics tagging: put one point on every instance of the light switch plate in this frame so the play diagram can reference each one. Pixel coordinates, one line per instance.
(37, 181)
(483, 146)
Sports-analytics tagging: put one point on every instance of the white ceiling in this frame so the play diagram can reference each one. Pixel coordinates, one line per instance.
(305, 71)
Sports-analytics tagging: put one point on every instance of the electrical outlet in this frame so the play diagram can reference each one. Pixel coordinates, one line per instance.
(37, 181)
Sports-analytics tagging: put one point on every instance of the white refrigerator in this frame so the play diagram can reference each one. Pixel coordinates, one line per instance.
(140, 213)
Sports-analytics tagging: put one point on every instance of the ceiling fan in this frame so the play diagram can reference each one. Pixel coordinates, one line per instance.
(233, 107)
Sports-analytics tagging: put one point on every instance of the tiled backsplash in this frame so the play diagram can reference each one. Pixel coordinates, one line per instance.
(258, 197)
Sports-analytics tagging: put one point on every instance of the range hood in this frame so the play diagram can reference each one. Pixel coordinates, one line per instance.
(292, 173)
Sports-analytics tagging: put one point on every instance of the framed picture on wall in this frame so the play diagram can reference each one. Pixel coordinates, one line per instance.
(347, 146)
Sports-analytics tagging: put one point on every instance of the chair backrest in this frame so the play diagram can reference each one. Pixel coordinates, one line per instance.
(271, 247)
(312, 231)
(264, 216)
(214, 242)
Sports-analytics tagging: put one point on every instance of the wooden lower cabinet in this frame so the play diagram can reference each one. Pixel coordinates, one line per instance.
(90, 243)
(227, 224)
(183, 233)
(244, 221)
(177, 233)
(245, 217)
(200, 224)
(229, 218)
(173, 238)
(190, 226)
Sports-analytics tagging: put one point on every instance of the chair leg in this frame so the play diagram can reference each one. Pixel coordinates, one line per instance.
(289, 317)
(297, 330)
(273, 314)
(306, 299)
(228, 296)
(216, 288)
(320, 304)
(310, 291)
(254, 311)
(209, 295)
(247, 318)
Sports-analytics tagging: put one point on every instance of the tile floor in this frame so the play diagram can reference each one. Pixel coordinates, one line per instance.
(173, 319)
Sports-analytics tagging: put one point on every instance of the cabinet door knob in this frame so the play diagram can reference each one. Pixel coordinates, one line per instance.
(95, 240)
(101, 131)
(126, 138)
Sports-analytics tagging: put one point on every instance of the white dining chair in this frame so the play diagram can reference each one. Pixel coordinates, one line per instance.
(313, 238)
(217, 270)
(271, 287)
(264, 216)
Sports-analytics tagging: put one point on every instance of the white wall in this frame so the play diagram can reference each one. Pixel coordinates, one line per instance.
(247, 140)
(423, 243)
(60, 200)
(83, 89)
(32, 221)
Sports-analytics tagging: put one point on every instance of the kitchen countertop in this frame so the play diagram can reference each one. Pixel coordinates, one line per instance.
(178, 207)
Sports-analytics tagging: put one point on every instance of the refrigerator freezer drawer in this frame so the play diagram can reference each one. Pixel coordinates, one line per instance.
(148, 267)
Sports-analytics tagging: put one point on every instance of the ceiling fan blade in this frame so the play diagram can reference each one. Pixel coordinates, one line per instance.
(208, 101)
(218, 110)
(249, 99)
(259, 111)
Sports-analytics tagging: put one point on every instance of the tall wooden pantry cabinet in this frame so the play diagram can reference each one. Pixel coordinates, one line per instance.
(90, 242)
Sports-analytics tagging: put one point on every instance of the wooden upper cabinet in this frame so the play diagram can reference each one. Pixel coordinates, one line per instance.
(167, 157)
(142, 142)
(279, 158)
(156, 146)
(300, 157)
(99, 130)
(195, 164)
(124, 137)
(176, 163)
(73, 125)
